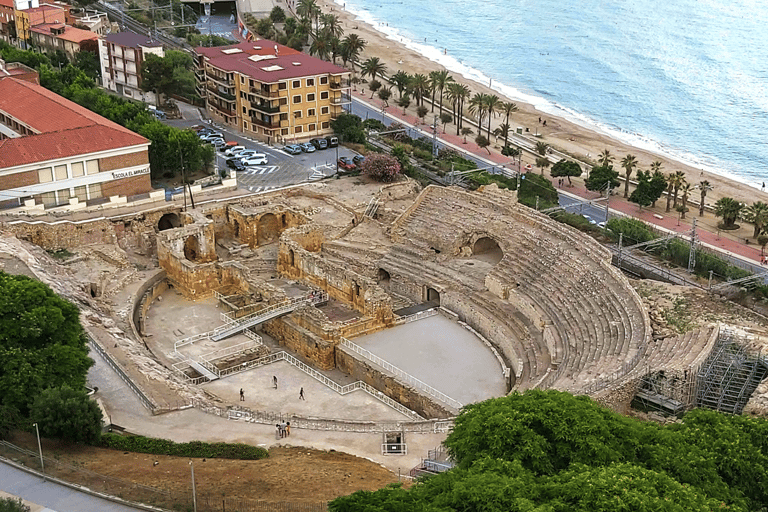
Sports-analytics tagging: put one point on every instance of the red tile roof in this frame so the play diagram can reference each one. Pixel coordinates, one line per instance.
(66, 129)
(45, 14)
(291, 63)
(72, 34)
(7, 3)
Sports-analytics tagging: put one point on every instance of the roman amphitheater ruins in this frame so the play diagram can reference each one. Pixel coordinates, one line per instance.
(322, 278)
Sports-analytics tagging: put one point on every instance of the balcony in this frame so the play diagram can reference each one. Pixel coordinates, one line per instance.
(343, 84)
(223, 110)
(265, 93)
(265, 108)
(341, 100)
(265, 124)
(223, 95)
(220, 79)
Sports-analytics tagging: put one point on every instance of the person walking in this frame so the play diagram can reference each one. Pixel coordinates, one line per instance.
(242, 395)
(282, 428)
(287, 428)
(301, 394)
(274, 381)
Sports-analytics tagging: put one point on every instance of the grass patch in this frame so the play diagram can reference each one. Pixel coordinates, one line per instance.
(197, 449)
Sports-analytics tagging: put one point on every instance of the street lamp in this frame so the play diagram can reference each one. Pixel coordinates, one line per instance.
(40, 449)
(194, 493)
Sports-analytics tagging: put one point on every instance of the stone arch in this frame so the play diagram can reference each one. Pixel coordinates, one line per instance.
(432, 295)
(236, 228)
(268, 228)
(487, 249)
(291, 258)
(383, 278)
(168, 221)
(191, 248)
(283, 219)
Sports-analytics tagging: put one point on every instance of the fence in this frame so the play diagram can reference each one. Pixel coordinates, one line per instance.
(245, 505)
(146, 402)
(405, 377)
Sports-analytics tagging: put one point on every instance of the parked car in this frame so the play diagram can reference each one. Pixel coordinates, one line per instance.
(346, 163)
(292, 149)
(212, 135)
(307, 147)
(332, 140)
(233, 150)
(256, 159)
(246, 153)
(319, 143)
(236, 164)
(219, 143)
(358, 159)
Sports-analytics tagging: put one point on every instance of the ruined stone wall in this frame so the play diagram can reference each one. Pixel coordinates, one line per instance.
(255, 226)
(360, 369)
(301, 341)
(143, 298)
(619, 398)
(133, 233)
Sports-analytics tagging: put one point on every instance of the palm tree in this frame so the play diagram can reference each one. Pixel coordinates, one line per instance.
(729, 209)
(477, 108)
(704, 186)
(605, 158)
(373, 67)
(441, 79)
(332, 25)
(757, 214)
(400, 81)
(492, 104)
(629, 163)
(308, 10)
(433, 81)
(679, 181)
(685, 189)
(462, 94)
(351, 47)
(670, 188)
(507, 108)
(321, 47)
(419, 87)
(542, 162)
(404, 102)
(452, 94)
(503, 131)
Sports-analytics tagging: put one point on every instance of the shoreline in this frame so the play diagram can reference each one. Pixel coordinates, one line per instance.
(574, 138)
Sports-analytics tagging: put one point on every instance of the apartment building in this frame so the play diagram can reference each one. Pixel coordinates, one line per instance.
(270, 91)
(121, 55)
(58, 36)
(7, 21)
(56, 154)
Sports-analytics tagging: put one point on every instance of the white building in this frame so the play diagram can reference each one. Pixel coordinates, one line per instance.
(121, 56)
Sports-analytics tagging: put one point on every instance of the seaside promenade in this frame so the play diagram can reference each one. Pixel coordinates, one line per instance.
(732, 243)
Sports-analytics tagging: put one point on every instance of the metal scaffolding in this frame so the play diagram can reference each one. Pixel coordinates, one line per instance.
(730, 375)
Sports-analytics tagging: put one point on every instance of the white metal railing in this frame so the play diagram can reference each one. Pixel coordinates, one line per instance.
(394, 449)
(421, 315)
(198, 337)
(406, 377)
(233, 350)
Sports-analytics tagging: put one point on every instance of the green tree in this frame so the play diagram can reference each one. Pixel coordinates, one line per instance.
(13, 505)
(373, 67)
(277, 14)
(678, 180)
(445, 118)
(400, 80)
(757, 214)
(419, 87)
(599, 178)
(384, 94)
(483, 142)
(89, 63)
(351, 46)
(629, 163)
(507, 108)
(492, 105)
(643, 194)
(657, 185)
(167, 75)
(441, 80)
(421, 111)
(565, 168)
(374, 85)
(42, 343)
(670, 189)
(404, 102)
(704, 186)
(729, 209)
(683, 208)
(68, 414)
(350, 128)
(381, 167)
(466, 131)
(605, 159)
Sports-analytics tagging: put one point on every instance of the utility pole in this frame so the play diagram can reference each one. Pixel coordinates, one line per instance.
(183, 177)
(607, 200)
(434, 137)
(40, 449)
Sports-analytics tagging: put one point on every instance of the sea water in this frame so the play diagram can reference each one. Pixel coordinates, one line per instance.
(683, 78)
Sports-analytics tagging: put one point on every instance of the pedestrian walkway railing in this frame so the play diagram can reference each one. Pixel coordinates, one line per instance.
(320, 377)
(145, 401)
(421, 315)
(403, 376)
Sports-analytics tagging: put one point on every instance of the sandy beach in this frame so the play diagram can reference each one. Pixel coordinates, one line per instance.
(559, 133)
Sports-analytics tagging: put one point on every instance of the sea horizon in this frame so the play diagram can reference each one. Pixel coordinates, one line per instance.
(685, 101)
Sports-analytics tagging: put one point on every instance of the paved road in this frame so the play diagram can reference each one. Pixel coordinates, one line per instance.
(55, 497)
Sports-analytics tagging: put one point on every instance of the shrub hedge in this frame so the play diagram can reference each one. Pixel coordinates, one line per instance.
(156, 446)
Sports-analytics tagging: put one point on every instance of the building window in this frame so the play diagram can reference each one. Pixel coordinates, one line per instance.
(297, 114)
(46, 198)
(81, 193)
(298, 129)
(323, 80)
(283, 101)
(325, 124)
(44, 175)
(297, 98)
(242, 79)
(296, 84)
(245, 110)
(92, 166)
(284, 131)
(324, 95)
(310, 82)
(311, 112)
(324, 110)
(282, 86)
(77, 169)
(60, 172)
(312, 127)
(94, 190)
(311, 97)
(245, 124)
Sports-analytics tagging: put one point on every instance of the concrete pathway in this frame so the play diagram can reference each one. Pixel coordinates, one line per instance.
(49, 496)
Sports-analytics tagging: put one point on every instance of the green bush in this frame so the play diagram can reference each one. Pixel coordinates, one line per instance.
(635, 231)
(13, 505)
(198, 449)
(422, 154)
